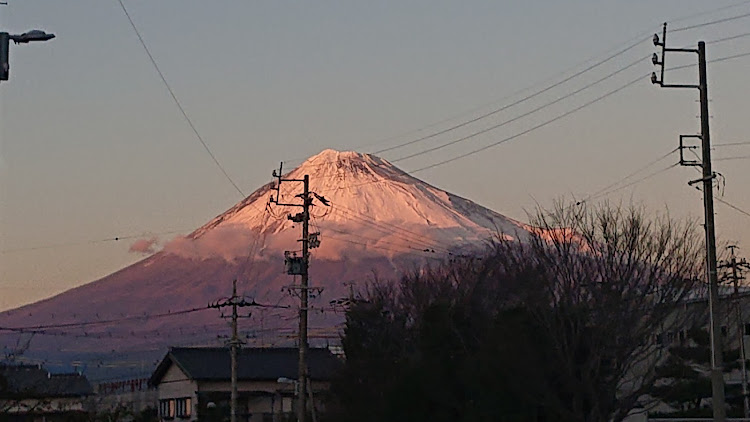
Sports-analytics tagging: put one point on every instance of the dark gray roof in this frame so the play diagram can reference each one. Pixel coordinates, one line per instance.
(213, 363)
(34, 381)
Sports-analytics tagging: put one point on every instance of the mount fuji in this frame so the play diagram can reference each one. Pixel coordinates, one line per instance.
(374, 220)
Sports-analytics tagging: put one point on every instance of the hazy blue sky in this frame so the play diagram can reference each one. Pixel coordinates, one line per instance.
(93, 147)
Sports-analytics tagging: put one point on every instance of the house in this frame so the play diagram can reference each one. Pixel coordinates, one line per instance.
(194, 383)
(31, 393)
(691, 317)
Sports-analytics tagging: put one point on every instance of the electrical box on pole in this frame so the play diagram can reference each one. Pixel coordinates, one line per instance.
(294, 265)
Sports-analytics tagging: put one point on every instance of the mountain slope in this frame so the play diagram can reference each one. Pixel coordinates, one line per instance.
(380, 221)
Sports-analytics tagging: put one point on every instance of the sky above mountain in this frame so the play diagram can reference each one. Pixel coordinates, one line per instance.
(93, 148)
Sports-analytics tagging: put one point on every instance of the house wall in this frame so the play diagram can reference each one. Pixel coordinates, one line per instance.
(133, 394)
(673, 333)
(174, 385)
(259, 386)
(269, 399)
(135, 401)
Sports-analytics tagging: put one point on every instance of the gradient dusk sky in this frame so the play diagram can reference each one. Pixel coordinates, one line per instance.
(92, 146)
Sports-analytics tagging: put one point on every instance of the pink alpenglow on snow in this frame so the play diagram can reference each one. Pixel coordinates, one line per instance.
(375, 209)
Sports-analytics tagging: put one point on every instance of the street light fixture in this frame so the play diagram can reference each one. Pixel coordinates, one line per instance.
(26, 37)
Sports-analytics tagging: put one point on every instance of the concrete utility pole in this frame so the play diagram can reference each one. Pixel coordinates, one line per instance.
(300, 266)
(234, 343)
(717, 376)
(304, 284)
(736, 276)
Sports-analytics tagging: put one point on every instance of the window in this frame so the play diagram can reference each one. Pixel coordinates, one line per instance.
(747, 329)
(184, 407)
(167, 408)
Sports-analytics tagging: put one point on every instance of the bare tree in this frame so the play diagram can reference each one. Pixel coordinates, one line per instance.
(601, 283)
(561, 325)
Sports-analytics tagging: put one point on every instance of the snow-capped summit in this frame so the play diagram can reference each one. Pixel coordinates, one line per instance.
(374, 207)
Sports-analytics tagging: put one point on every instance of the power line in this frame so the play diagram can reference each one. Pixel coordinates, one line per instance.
(744, 157)
(734, 207)
(146, 317)
(718, 21)
(711, 11)
(408, 174)
(539, 126)
(341, 239)
(532, 86)
(735, 56)
(107, 239)
(128, 334)
(109, 321)
(602, 191)
(727, 203)
(254, 247)
(561, 98)
(733, 37)
(573, 76)
(634, 182)
(551, 120)
(397, 247)
(176, 101)
(730, 144)
(720, 59)
(522, 100)
(565, 114)
(707, 12)
(405, 234)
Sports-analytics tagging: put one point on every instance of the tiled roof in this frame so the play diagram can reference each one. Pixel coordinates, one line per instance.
(34, 381)
(213, 363)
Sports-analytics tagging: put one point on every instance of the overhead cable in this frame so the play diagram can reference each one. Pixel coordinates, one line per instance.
(177, 102)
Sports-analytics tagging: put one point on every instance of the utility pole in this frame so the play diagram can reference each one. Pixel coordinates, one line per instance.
(234, 343)
(717, 376)
(300, 266)
(736, 276)
(304, 283)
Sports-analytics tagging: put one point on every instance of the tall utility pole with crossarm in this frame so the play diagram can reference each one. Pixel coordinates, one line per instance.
(299, 265)
(234, 302)
(717, 376)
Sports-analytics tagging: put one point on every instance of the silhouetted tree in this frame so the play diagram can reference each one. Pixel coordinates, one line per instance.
(684, 381)
(559, 326)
